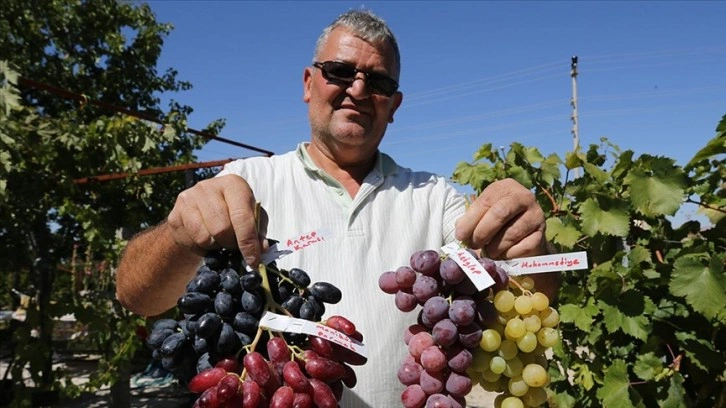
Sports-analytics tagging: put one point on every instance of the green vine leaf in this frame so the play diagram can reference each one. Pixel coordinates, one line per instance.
(563, 400)
(700, 352)
(614, 392)
(647, 366)
(584, 376)
(658, 192)
(703, 286)
(676, 393)
(581, 316)
(605, 216)
(561, 234)
(614, 318)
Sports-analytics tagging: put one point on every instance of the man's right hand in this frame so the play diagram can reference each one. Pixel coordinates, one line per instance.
(219, 212)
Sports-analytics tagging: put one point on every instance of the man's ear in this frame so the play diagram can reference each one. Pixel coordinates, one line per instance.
(307, 83)
(395, 104)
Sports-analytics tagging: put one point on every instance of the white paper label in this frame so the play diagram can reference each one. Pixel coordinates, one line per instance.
(470, 265)
(568, 261)
(294, 244)
(282, 323)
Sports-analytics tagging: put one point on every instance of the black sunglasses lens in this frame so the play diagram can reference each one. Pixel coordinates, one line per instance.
(382, 85)
(338, 71)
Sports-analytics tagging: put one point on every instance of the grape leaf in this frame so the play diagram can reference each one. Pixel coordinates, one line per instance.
(614, 391)
(647, 366)
(551, 169)
(676, 393)
(636, 326)
(700, 352)
(559, 233)
(580, 316)
(521, 174)
(704, 287)
(613, 219)
(563, 400)
(572, 160)
(595, 172)
(659, 193)
(583, 376)
(715, 146)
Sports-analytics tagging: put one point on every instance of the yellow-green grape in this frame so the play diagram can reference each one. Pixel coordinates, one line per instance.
(490, 340)
(517, 386)
(480, 359)
(534, 397)
(514, 329)
(527, 283)
(523, 304)
(508, 349)
(504, 301)
(491, 386)
(497, 365)
(512, 402)
(534, 375)
(504, 317)
(540, 301)
(549, 317)
(528, 342)
(490, 376)
(513, 368)
(532, 323)
(547, 337)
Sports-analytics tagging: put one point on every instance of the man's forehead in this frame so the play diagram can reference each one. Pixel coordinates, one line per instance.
(345, 45)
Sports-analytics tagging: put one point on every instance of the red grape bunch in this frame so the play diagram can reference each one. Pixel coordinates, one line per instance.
(219, 351)
(450, 345)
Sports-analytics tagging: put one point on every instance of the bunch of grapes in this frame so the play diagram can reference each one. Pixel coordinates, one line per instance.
(218, 349)
(463, 336)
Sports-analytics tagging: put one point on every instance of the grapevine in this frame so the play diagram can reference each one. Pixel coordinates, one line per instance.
(496, 338)
(219, 351)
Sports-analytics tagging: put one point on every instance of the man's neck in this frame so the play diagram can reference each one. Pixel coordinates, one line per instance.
(350, 173)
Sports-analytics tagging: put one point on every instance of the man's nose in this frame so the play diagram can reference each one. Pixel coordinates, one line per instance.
(358, 88)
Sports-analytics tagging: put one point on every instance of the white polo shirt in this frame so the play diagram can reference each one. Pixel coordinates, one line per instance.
(396, 212)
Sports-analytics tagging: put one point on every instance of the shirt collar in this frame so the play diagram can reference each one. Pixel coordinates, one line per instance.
(384, 163)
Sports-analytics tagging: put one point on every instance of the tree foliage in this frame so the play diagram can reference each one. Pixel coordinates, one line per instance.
(106, 51)
(644, 326)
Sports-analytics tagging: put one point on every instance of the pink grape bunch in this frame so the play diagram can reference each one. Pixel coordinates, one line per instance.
(446, 357)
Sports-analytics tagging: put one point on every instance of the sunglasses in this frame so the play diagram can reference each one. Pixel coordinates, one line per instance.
(343, 74)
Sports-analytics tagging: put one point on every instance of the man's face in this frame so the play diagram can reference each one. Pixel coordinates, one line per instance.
(350, 117)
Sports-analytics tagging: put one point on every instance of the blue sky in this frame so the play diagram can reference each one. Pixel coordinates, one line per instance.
(651, 74)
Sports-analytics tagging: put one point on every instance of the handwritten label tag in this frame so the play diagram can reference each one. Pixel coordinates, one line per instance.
(470, 265)
(294, 244)
(568, 261)
(277, 322)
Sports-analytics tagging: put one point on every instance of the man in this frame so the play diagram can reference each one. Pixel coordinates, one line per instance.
(378, 213)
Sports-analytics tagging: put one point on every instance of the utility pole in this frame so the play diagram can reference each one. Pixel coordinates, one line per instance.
(575, 130)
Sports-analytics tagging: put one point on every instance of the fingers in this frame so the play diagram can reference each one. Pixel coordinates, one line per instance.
(218, 212)
(505, 220)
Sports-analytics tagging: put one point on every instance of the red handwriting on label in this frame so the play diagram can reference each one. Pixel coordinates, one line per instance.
(304, 240)
(562, 261)
(470, 264)
(335, 336)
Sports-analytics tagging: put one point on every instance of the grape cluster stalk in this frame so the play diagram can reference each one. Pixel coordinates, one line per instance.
(218, 350)
(496, 338)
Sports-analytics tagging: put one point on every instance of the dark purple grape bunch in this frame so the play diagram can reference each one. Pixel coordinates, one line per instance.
(221, 310)
(452, 313)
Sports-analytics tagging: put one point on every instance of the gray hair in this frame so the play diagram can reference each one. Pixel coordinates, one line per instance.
(364, 24)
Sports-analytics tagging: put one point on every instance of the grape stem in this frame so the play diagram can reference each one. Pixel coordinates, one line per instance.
(518, 285)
